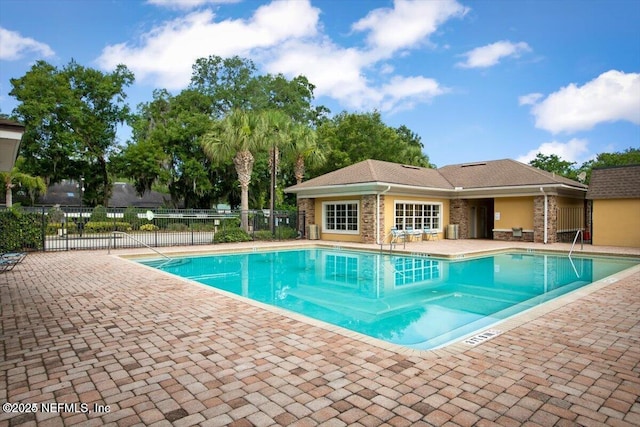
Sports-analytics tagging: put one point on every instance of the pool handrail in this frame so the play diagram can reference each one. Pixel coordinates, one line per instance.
(137, 240)
(579, 232)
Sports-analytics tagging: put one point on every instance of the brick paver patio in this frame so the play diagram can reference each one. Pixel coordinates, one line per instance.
(90, 328)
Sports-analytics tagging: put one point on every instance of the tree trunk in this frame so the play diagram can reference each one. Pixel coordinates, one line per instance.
(105, 182)
(243, 162)
(299, 169)
(9, 194)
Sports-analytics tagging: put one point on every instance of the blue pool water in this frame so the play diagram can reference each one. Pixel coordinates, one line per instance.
(418, 302)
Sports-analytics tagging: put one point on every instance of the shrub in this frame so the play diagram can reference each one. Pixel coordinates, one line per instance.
(149, 227)
(202, 226)
(55, 214)
(177, 226)
(53, 227)
(20, 230)
(231, 235)
(106, 226)
(130, 215)
(262, 235)
(286, 233)
(230, 223)
(99, 214)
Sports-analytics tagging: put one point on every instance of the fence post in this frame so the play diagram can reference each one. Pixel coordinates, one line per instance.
(43, 230)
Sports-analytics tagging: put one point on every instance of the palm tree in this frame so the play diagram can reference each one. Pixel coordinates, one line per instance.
(303, 150)
(276, 128)
(33, 184)
(237, 136)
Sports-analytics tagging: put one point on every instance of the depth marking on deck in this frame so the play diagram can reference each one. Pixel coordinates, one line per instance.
(482, 337)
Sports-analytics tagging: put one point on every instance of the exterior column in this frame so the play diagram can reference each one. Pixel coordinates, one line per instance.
(552, 219)
(368, 218)
(381, 230)
(459, 214)
(308, 206)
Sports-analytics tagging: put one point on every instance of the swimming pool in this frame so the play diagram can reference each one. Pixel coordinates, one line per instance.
(414, 301)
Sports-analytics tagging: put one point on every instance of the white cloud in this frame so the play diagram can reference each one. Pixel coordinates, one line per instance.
(409, 23)
(575, 150)
(334, 70)
(187, 4)
(490, 55)
(610, 97)
(13, 46)
(402, 93)
(286, 37)
(167, 52)
(529, 99)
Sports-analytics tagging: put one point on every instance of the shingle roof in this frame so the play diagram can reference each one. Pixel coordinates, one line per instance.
(66, 193)
(620, 182)
(378, 171)
(490, 174)
(501, 173)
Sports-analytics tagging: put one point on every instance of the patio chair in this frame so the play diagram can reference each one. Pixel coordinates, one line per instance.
(397, 235)
(430, 233)
(409, 231)
(10, 259)
(18, 257)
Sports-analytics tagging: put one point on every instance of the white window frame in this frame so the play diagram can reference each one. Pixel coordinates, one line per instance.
(400, 225)
(325, 217)
(416, 271)
(341, 269)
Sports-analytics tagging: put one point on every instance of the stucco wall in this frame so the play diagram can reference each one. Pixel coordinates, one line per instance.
(616, 222)
(513, 212)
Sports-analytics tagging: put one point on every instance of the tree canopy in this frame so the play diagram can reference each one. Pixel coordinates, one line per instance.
(71, 117)
(553, 163)
(349, 138)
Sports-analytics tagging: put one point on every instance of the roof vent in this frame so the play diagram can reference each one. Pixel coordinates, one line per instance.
(411, 167)
(466, 165)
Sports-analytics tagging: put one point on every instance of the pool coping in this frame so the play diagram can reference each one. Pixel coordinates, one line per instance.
(455, 347)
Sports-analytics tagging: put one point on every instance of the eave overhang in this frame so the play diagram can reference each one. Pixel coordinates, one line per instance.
(451, 193)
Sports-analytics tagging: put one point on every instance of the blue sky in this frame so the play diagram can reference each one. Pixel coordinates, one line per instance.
(477, 80)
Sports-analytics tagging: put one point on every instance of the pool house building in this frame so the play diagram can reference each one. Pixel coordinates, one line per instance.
(499, 199)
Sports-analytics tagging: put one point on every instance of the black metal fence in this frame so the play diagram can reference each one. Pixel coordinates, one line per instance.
(75, 228)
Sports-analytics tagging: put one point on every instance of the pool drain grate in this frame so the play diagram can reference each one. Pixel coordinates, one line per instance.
(480, 338)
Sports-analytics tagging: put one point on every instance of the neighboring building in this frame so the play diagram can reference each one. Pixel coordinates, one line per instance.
(67, 193)
(501, 199)
(614, 194)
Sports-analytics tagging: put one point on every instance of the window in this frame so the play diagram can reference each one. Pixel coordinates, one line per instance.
(410, 271)
(341, 217)
(342, 269)
(418, 215)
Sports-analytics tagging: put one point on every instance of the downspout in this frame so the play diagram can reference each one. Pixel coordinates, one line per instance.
(545, 214)
(378, 215)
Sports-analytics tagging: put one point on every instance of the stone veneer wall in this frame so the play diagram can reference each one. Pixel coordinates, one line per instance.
(538, 219)
(507, 236)
(368, 218)
(459, 214)
(308, 206)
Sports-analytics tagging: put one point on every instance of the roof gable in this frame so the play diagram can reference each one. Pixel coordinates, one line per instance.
(620, 182)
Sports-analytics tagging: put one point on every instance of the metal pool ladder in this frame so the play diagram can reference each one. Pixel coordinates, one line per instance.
(139, 241)
(581, 234)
